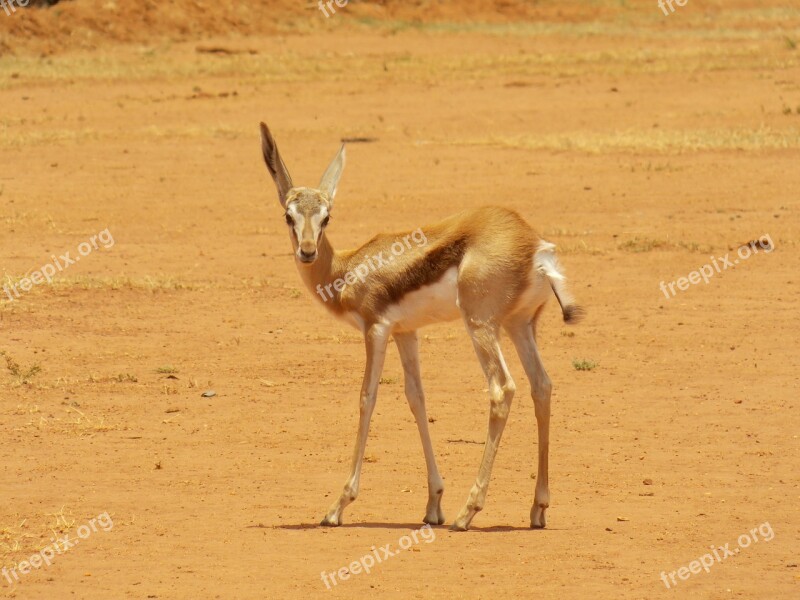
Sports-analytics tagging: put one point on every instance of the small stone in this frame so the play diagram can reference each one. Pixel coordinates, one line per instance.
(648, 481)
(209, 394)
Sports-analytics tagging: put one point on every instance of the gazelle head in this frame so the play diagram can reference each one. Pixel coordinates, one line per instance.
(308, 210)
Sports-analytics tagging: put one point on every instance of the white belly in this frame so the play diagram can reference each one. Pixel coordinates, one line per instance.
(429, 304)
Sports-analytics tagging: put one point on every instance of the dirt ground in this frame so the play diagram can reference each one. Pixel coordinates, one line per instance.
(645, 146)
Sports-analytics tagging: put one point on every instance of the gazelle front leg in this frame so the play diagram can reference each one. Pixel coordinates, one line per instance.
(376, 339)
(524, 340)
(408, 347)
(501, 392)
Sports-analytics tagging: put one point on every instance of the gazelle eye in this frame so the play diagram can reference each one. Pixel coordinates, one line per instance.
(289, 219)
(325, 221)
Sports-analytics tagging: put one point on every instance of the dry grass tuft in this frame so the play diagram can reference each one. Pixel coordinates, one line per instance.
(75, 422)
(23, 537)
(645, 244)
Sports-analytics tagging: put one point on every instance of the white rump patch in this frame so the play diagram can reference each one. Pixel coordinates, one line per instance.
(546, 262)
(544, 271)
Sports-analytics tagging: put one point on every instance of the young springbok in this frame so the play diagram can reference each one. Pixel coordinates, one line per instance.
(486, 266)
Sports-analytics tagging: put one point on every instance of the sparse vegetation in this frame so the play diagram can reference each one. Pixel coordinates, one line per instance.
(659, 141)
(583, 364)
(23, 374)
(119, 378)
(76, 421)
(25, 535)
(644, 244)
(579, 247)
(60, 523)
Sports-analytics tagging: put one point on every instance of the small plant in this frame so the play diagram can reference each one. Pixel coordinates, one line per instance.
(583, 364)
(23, 375)
(166, 370)
(791, 44)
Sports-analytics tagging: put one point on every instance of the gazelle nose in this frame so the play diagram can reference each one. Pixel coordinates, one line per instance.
(307, 256)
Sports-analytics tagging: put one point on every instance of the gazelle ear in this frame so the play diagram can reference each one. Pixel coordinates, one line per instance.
(275, 166)
(330, 180)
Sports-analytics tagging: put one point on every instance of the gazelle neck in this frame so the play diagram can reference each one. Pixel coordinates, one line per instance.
(322, 272)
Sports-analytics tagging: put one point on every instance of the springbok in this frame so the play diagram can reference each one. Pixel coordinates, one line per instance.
(485, 265)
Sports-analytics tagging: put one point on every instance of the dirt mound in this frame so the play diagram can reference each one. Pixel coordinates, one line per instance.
(91, 23)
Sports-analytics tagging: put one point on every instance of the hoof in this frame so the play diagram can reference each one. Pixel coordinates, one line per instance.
(434, 521)
(458, 527)
(538, 520)
(330, 522)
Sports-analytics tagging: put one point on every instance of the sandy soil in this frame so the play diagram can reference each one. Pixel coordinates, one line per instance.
(642, 145)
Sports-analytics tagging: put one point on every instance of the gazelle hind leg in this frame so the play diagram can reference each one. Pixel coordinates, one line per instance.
(376, 340)
(408, 347)
(522, 334)
(501, 391)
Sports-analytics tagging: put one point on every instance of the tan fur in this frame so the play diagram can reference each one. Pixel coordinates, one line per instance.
(494, 245)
